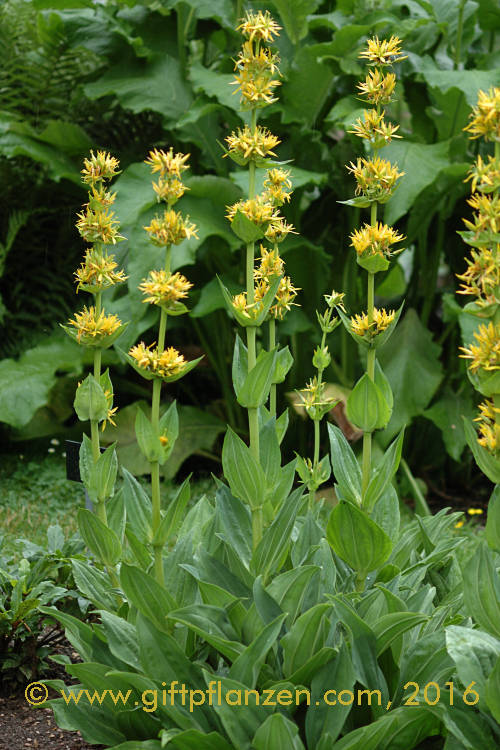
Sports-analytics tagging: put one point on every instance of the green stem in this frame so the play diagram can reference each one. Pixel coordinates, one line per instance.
(370, 369)
(257, 525)
(272, 344)
(420, 502)
(100, 507)
(460, 27)
(360, 582)
(155, 422)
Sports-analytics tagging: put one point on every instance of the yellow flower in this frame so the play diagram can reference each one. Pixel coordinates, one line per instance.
(376, 239)
(376, 178)
(278, 230)
(362, 326)
(111, 410)
(162, 364)
(259, 26)
(270, 265)
(383, 52)
(98, 226)
(484, 355)
(314, 400)
(256, 210)
(167, 163)
(100, 197)
(487, 217)
(489, 429)
(277, 185)
(100, 166)
(98, 270)
(169, 190)
(482, 277)
(378, 88)
(475, 511)
(485, 176)
(94, 329)
(249, 311)
(485, 116)
(335, 299)
(170, 229)
(374, 128)
(247, 144)
(285, 296)
(254, 78)
(459, 524)
(162, 288)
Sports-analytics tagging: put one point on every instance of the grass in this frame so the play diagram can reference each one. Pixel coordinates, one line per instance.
(34, 493)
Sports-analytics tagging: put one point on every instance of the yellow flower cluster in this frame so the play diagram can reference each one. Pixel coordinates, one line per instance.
(485, 116)
(98, 272)
(162, 288)
(162, 364)
(482, 277)
(257, 210)
(277, 186)
(284, 298)
(375, 178)
(362, 326)
(271, 264)
(383, 52)
(489, 429)
(315, 402)
(97, 226)
(101, 166)
(485, 355)
(376, 239)
(485, 176)
(92, 328)
(247, 144)
(259, 27)
(170, 229)
(169, 187)
(374, 128)
(377, 87)
(256, 68)
(487, 216)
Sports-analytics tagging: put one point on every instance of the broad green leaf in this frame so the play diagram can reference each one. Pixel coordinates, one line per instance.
(323, 719)
(215, 84)
(245, 229)
(492, 694)
(421, 163)
(255, 389)
(389, 627)
(277, 733)
(240, 365)
(272, 549)
(493, 520)
(145, 593)
(242, 724)
(90, 401)
(475, 654)
(307, 90)
(366, 406)
(138, 507)
(410, 361)
(469, 82)
(172, 520)
(284, 362)
(234, 520)
(426, 660)
(384, 472)
(489, 464)
(482, 589)
(447, 415)
(243, 472)
(290, 589)
(122, 639)
(293, 14)
(247, 666)
(386, 513)
(212, 625)
(94, 584)
(96, 724)
(345, 465)
(356, 539)
(161, 656)
(399, 729)
(101, 541)
(305, 638)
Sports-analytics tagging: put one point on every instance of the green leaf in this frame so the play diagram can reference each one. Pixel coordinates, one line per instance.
(475, 654)
(245, 229)
(90, 400)
(272, 549)
(398, 729)
(493, 520)
(492, 694)
(420, 160)
(482, 589)
(284, 362)
(389, 627)
(122, 639)
(410, 361)
(93, 584)
(447, 414)
(240, 365)
(345, 465)
(277, 733)
(244, 474)
(384, 473)
(293, 14)
(255, 389)
(489, 465)
(198, 431)
(139, 85)
(174, 515)
(366, 406)
(147, 595)
(138, 507)
(98, 477)
(101, 541)
(246, 668)
(305, 638)
(469, 82)
(212, 625)
(308, 88)
(356, 539)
